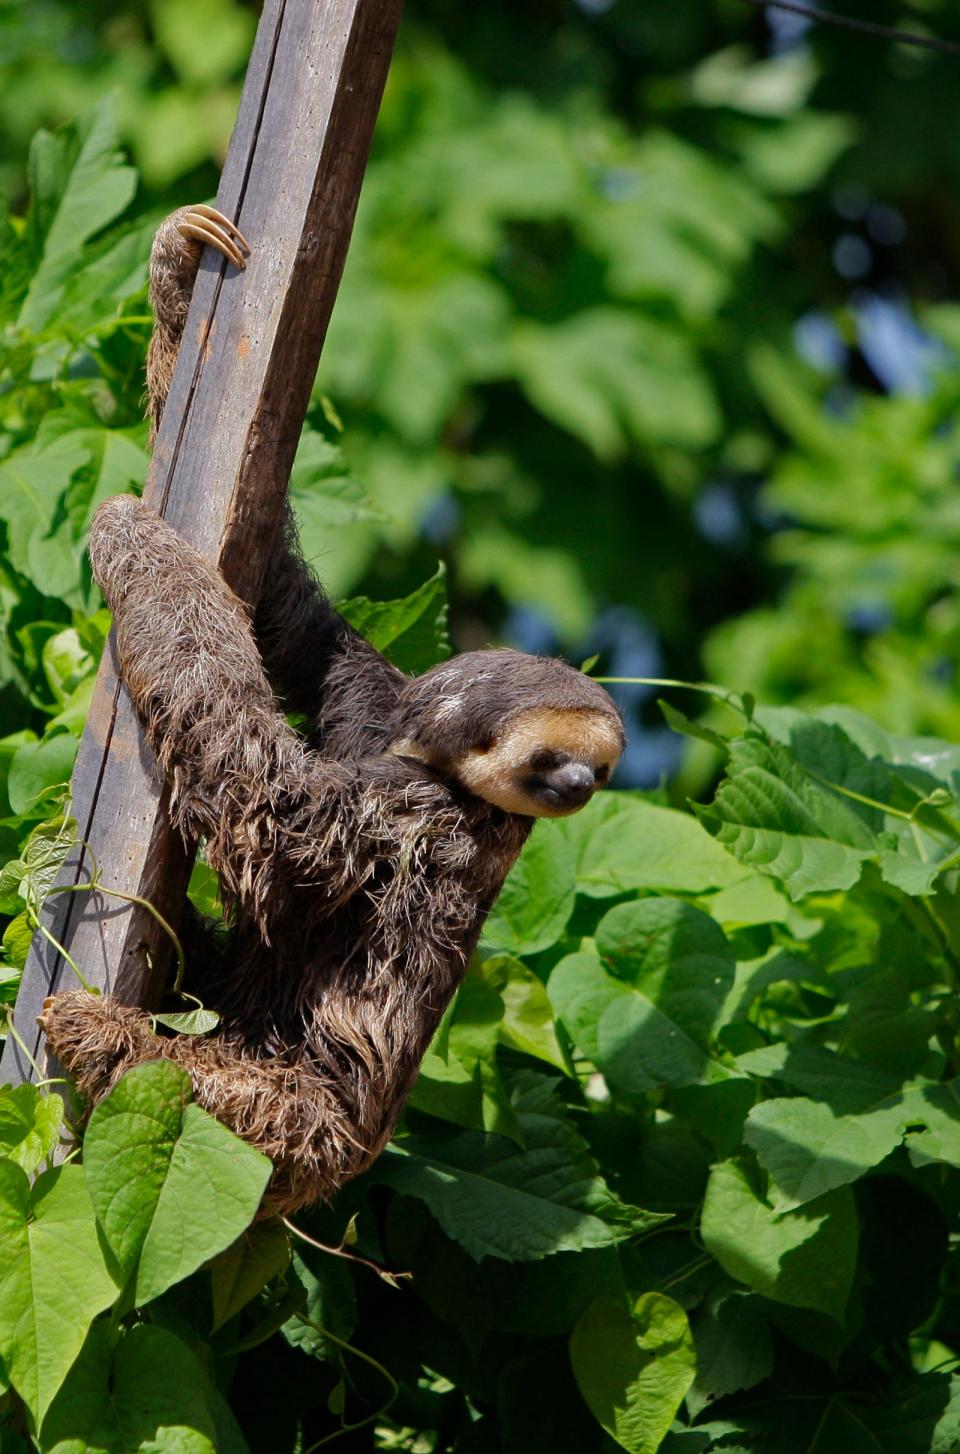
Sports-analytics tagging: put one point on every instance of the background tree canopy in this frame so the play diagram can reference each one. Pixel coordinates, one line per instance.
(647, 336)
(645, 330)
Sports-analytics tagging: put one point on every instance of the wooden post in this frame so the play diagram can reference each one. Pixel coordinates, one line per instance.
(222, 460)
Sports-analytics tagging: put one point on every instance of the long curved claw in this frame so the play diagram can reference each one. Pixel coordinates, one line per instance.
(209, 226)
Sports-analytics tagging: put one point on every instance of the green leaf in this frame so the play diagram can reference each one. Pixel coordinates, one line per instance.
(412, 632)
(755, 900)
(774, 87)
(698, 219)
(41, 543)
(66, 661)
(880, 797)
(645, 1016)
(37, 769)
(633, 1369)
(147, 1395)
(545, 578)
(527, 1023)
(614, 377)
(796, 155)
(809, 1148)
(450, 1090)
(78, 184)
(680, 723)
(53, 1280)
(279, 1302)
(114, 270)
(17, 938)
(324, 494)
(29, 1125)
(244, 1268)
(581, 992)
(734, 1349)
(623, 845)
(459, 1080)
(805, 1258)
(771, 815)
(536, 901)
(50, 490)
(204, 889)
(444, 330)
(44, 854)
(922, 1418)
(498, 1200)
(11, 877)
(115, 461)
(190, 1022)
(848, 1085)
(911, 875)
(10, 977)
(331, 1305)
(171, 1187)
(226, 31)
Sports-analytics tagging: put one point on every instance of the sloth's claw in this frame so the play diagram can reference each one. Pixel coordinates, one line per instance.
(207, 225)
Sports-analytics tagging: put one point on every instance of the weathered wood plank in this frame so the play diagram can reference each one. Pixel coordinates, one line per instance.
(222, 459)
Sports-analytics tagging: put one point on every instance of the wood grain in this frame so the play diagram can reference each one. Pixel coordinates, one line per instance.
(221, 463)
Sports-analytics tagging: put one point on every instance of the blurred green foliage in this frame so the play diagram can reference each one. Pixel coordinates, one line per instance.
(566, 349)
(646, 332)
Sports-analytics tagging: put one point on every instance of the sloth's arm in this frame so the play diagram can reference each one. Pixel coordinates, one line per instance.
(174, 260)
(240, 776)
(301, 637)
(317, 663)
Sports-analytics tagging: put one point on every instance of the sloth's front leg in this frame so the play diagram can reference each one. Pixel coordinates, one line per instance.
(174, 260)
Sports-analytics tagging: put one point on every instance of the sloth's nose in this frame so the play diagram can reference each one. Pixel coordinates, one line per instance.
(574, 782)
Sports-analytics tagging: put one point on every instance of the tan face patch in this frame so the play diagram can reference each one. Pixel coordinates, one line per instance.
(498, 775)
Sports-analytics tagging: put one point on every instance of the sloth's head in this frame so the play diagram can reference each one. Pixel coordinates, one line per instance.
(529, 734)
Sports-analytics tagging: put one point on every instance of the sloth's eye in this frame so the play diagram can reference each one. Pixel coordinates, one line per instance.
(543, 761)
(601, 773)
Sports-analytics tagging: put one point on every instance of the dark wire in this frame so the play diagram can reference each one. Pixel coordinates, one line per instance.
(866, 27)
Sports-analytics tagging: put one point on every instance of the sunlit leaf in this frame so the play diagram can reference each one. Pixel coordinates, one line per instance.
(53, 1280)
(633, 1367)
(412, 632)
(30, 1125)
(171, 1186)
(805, 1258)
(144, 1393)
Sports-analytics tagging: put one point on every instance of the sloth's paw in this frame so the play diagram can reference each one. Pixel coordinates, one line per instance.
(96, 1038)
(206, 225)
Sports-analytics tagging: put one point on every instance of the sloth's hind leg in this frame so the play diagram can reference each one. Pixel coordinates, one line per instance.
(174, 260)
(97, 1039)
(287, 1109)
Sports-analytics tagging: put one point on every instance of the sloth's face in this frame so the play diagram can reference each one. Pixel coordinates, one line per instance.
(546, 763)
(529, 734)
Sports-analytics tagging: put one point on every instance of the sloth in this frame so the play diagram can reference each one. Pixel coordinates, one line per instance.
(358, 857)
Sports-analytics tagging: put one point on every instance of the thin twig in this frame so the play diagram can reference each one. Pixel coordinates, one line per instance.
(95, 886)
(42, 929)
(14, 1033)
(865, 27)
(391, 1278)
(348, 1428)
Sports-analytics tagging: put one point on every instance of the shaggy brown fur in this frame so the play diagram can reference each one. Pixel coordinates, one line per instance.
(358, 867)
